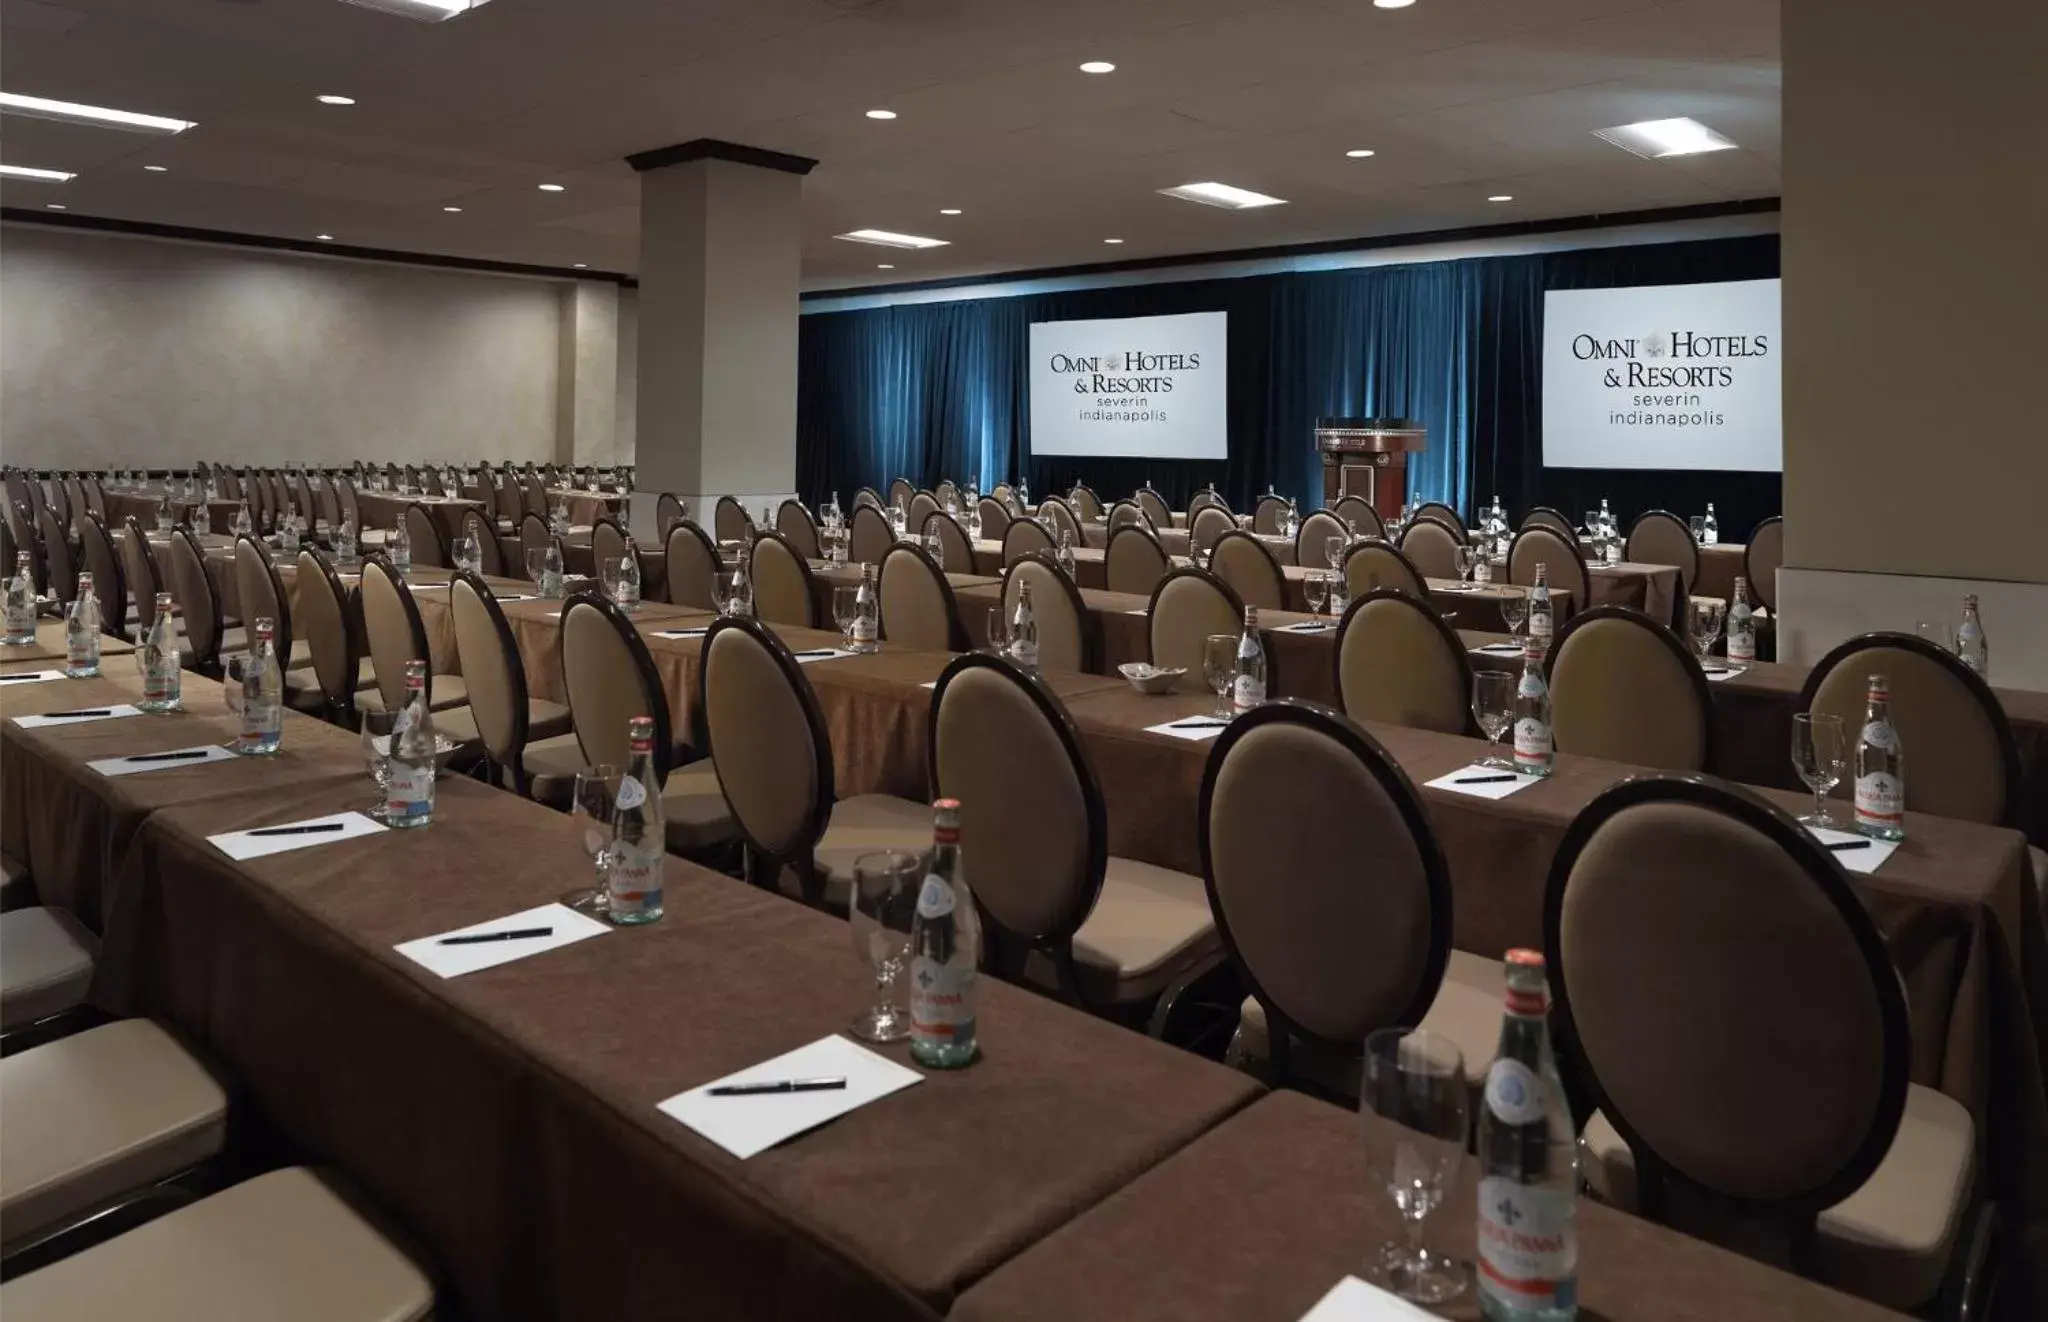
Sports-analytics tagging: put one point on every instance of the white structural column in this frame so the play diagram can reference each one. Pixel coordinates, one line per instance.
(720, 247)
(587, 368)
(1915, 210)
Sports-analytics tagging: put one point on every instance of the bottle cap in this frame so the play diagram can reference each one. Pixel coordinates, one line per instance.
(415, 674)
(1527, 991)
(640, 733)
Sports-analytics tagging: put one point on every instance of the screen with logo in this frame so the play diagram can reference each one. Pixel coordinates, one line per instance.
(1149, 387)
(1664, 376)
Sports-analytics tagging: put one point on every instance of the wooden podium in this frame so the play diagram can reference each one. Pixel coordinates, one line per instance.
(1368, 457)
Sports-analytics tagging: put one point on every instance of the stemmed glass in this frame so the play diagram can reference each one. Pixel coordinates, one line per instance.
(590, 806)
(1219, 667)
(1706, 626)
(468, 555)
(998, 631)
(1493, 707)
(1514, 609)
(378, 727)
(1333, 551)
(845, 609)
(1414, 1088)
(536, 564)
(883, 900)
(1817, 757)
(1464, 558)
(1316, 587)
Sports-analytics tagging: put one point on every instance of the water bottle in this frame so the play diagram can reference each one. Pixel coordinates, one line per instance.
(161, 676)
(866, 628)
(1528, 1165)
(629, 579)
(551, 572)
(1063, 554)
(1710, 533)
(262, 696)
(1248, 688)
(1535, 744)
(1024, 632)
(1541, 617)
(409, 798)
(1741, 625)
(21, 602)
(633, 879)
(398, 546)
(82, 633)
(1973, 649)
(945, 953)
(1880, 768)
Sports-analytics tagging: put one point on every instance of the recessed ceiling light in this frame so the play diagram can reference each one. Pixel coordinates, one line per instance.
(1223, 195)
(56, 206)
(1112, 240)
(1391, 4)
(431, 11)
(884, 266)
(1502, 197)
(1359, 153)
(551, 188)
(451, 208)
(889, 239)
(330, 99)
(582, 265)
(949, 211)
(30, 172)
(1655, 139)
(156, 169)
(1098, 66)
(71, 112)
(324, 238)
(881, 114)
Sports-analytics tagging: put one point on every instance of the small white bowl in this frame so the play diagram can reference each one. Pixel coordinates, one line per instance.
(1148, 678)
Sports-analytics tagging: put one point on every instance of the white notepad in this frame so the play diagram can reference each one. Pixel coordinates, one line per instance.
(243, 845)
(809, 655)
(1498, 789)
(745, 1126)
(1501, 649)
(135, 764)
(24, 678)
(113, 711)
(1721, 674)
(1142, 610)
(1182, 730)
(454, 961)
(698, 632)
(1309, 626)
(1864, 858)
(515, 596)
(1352, 1300)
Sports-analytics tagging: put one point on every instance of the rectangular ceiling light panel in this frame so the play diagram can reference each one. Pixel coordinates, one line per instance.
(889, 239)
(1223, 195)
(430, 11)
(30, 172)
(1655, 139)
(70, 112)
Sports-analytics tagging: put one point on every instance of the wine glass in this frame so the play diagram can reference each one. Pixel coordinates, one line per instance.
(1706, 625)
(883, 900)
(1414, 1096)
(998, 631)
(1333, 551)
(1219, 667)
(1493, 707)
(845, 609)
(608, 578)
(378, 727)
(1514, 609)
(590, 806)
(1817, 757)
(1316, 587)
(1465, 559)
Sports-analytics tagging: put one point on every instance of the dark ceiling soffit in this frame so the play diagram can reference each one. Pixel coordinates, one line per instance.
(231, 239)
(711, 149)
(1596, 220)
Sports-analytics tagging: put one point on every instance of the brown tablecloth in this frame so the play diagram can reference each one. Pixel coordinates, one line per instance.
(827, 577)
(49, 647)
(508, 1118)
(203, 515)
(383, 509)
(1256, 1219)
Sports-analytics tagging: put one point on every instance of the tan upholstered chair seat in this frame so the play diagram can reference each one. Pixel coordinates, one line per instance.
(694, 810)
(861, 825)
(1466, 1011)
(1890, 1240)
(96, 1115)
(545, 720)
(280, 1245)
(46, 959)
(450, 692)
(1150, 926)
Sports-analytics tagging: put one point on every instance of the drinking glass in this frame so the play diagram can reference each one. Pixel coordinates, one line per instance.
(1333, 551)
(998, 631)
(1219, 667)
(1414, 1084)
(536, 564)
(845, 609)
(1493, 707)
(1317, 588)
(1706, 626)
(1936, 632)
(935, 548)
(1699, 529)
(1340, 595)
(1463, 559)
(608, 578)
(590, 807)
(1817, 756)
(378, 727)
(883, 900)
(1514, 609)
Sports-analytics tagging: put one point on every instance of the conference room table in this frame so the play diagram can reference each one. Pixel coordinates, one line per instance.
(383, 509)
(212, 515)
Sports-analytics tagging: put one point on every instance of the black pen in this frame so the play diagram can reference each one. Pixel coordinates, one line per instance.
(1197, 723)
(1841, 845)
(299, 830)
(34, 674)
(94, 711)
(779, 1086)
(167, 757)
(816, 651)
(1483, 780)
(478, 938)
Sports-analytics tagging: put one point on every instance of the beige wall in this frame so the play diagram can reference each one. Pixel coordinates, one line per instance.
(117, 351)
(1916, 271)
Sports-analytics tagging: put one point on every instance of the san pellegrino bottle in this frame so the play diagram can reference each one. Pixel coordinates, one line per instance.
(1024, 632)
(398, 546)
(409, 801)
(1248, 690)
(945, 953)
(1528, 1165)
(262, 696)
(1541, 617)
(629, 579)
(740, 601)
(1741, 625)
(865, 632)
(639, 835)
(21, 602)
(82, 632)
(1973, 649)
(1710, 532)
(1535, 747)
(1880, 769)
(161, 678)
